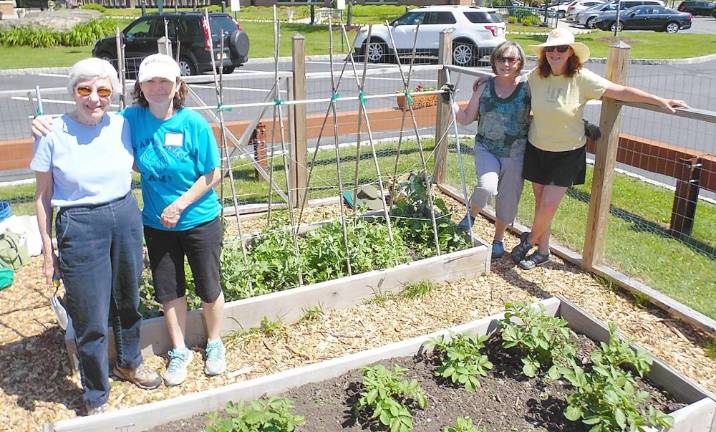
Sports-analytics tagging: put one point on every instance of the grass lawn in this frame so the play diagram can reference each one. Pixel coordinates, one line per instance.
(26, 57)
(644, 45)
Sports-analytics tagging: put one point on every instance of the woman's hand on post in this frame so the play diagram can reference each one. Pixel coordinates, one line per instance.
(171, 214)
(41, 126)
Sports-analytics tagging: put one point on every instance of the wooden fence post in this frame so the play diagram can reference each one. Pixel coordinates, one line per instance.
(604, 160)
(299, 146)
(443, 114)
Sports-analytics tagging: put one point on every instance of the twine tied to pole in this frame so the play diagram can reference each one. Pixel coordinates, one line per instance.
(278, 101)
(222, 108)
(335, 97)
(361, 97)
(408, 97)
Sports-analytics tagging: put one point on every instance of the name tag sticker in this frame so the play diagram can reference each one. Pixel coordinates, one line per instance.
(173, 139)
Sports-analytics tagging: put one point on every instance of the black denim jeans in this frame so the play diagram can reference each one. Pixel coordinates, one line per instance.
(100, 251)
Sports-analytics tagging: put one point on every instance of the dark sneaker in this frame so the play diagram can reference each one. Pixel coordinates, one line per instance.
(89, 411)
(520, 251)
(534, 260)
(142, 377)
(498, 249)
(464, 224)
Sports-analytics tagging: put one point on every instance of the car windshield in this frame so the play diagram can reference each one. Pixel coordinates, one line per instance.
(483, 17)
(410, 18)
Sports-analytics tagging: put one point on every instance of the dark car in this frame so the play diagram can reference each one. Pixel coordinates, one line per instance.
(697, 7)
(185, 30)
(657, 18)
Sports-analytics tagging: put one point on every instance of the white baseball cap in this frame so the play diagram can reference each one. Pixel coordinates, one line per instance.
(158, 66)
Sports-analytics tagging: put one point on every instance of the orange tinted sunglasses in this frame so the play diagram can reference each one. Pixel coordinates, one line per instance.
(102, 92)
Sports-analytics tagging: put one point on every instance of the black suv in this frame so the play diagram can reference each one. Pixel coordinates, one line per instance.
(186, 33)
(697, 7)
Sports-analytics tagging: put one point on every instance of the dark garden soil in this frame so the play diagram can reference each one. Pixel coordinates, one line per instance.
(506, 401)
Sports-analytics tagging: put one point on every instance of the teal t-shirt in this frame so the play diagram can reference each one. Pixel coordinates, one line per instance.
(171, 155)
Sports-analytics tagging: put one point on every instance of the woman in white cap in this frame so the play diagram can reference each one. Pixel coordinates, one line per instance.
(555, 158)
(177, 156)
(83, 167)
(176, 153)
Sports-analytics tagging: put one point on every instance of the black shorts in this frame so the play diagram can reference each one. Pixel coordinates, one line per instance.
(567, 168)
(202, 247)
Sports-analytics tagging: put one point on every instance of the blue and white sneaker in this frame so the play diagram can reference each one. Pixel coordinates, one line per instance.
(179, 360)
(215, 361)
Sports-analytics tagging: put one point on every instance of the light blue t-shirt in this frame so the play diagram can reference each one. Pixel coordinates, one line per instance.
(89, 164)
(171, 155)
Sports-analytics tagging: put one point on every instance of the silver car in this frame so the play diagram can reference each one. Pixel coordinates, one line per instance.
(588, 17)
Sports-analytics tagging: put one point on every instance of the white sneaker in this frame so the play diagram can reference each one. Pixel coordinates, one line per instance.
(215, 361)
(177, 370)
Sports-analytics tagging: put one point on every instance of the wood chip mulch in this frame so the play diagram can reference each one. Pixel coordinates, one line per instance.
(37, 386)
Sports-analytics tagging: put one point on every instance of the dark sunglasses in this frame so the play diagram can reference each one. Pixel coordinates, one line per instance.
(558, 48)
(102, 92)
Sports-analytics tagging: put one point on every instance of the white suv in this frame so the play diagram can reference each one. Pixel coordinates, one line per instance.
(476, 32)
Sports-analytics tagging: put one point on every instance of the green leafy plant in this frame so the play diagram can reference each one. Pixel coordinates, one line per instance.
(272, 328)
(81, 35)
(710, 349)
(607, 397)
(417, 290)
(412, 214)
(273, 415)
(461, 359)
(462, 424)
(94, 6)
(546, 341)
(312, 313)
(386, 397)
(618, 353)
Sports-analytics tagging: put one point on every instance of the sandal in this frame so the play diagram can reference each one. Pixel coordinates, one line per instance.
(519, 252)
(534, 260)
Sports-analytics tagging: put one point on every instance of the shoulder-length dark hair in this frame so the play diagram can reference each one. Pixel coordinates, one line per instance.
(179, 96)
(545, 70)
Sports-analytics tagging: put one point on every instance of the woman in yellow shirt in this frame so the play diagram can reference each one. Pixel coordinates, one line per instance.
(555, 158)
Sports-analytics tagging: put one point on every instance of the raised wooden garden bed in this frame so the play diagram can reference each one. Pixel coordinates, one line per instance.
(697, 412)
(289, 305)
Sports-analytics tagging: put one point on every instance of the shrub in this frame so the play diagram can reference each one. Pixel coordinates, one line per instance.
(532, 20)
(81, 35)
(94, 6)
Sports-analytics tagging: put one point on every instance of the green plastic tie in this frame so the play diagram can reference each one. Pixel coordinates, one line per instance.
(278, 101)
(361, 97)
(221, 107)
(335, 97)
(408, 97)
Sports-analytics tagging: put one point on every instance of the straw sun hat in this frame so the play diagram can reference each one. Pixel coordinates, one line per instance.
(559, 37)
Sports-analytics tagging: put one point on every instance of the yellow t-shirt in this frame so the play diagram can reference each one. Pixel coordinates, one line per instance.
(557, 106)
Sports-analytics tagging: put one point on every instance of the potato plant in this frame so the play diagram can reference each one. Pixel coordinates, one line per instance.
(273, 415)
(387, 398)
(462, 424)
(462, 361)
(606, 397)
(546, 341)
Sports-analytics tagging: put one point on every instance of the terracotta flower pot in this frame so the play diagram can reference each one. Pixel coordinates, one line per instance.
(419, 101)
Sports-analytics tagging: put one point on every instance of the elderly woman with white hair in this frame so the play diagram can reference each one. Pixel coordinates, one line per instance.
(83, 168)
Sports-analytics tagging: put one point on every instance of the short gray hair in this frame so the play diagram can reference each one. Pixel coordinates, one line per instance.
(500, 50)
(92, 68)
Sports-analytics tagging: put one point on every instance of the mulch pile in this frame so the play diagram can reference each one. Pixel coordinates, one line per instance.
(37, 386)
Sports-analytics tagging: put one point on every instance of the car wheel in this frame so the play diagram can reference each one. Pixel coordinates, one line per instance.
(672, 27)
(591, 23)
(464, 54)
(239, 44)
(186, 67)
(615, 27)
(228, 69)
(377, 51)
